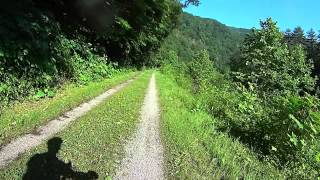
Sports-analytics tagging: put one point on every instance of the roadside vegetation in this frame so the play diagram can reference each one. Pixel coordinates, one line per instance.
(267, 103)
(95, 141)
(193, 146)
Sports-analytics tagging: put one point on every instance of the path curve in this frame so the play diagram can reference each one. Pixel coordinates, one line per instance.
(144, 153)
(15, 148)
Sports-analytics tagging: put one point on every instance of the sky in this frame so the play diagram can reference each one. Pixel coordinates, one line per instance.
(247, 13)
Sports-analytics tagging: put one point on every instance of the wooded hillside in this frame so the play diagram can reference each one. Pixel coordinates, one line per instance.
(195, 33)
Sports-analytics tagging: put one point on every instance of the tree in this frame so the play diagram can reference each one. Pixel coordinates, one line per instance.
(312, 44)
(270, 66)
(313, 51)
(298, 36)
(201, 70)
(312, 36)
(127, 31)
(298, 32)
(288, 35)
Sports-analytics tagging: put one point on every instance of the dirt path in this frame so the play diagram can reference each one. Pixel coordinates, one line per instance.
(144, 154)
(11, 151)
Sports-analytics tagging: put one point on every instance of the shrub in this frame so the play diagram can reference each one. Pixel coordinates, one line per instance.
(22, 75)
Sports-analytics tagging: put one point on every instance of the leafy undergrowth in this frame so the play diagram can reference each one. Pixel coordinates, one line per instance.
(95, 141)
(24, 117)
(194, 150)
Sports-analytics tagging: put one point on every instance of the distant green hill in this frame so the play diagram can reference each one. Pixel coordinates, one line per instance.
(196, 33)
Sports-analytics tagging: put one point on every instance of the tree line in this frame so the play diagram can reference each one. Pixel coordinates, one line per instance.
(310, 42)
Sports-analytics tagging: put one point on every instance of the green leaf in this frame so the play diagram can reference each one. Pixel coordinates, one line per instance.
(123, 23)
(3, 87)
(300, 125)
(318, 158)
(108, 178)
(50, 94)
(313, 129)
(40, 94)
(293, 139)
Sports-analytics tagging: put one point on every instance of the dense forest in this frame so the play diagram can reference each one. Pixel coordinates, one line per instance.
(256, 90)
(194, 34)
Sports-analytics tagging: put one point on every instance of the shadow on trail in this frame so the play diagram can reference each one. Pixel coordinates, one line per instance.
(47, 166)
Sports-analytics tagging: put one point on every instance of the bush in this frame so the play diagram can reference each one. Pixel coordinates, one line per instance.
(21, 76)
(281, 130)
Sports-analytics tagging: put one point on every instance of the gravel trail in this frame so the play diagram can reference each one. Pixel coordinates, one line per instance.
(15, 148)
(144, 153)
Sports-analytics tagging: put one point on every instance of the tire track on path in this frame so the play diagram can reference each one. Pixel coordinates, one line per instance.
(144, 153)
(15, 148)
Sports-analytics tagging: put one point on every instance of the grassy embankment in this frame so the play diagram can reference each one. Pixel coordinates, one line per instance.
(24, 117)
(194, 150)
(96, 141)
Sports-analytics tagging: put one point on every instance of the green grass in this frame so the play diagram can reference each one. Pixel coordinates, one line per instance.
(25, 117)
(96, 141)
(194, 150)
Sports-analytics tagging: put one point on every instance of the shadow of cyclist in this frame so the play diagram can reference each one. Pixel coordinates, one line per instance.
(48, 166)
